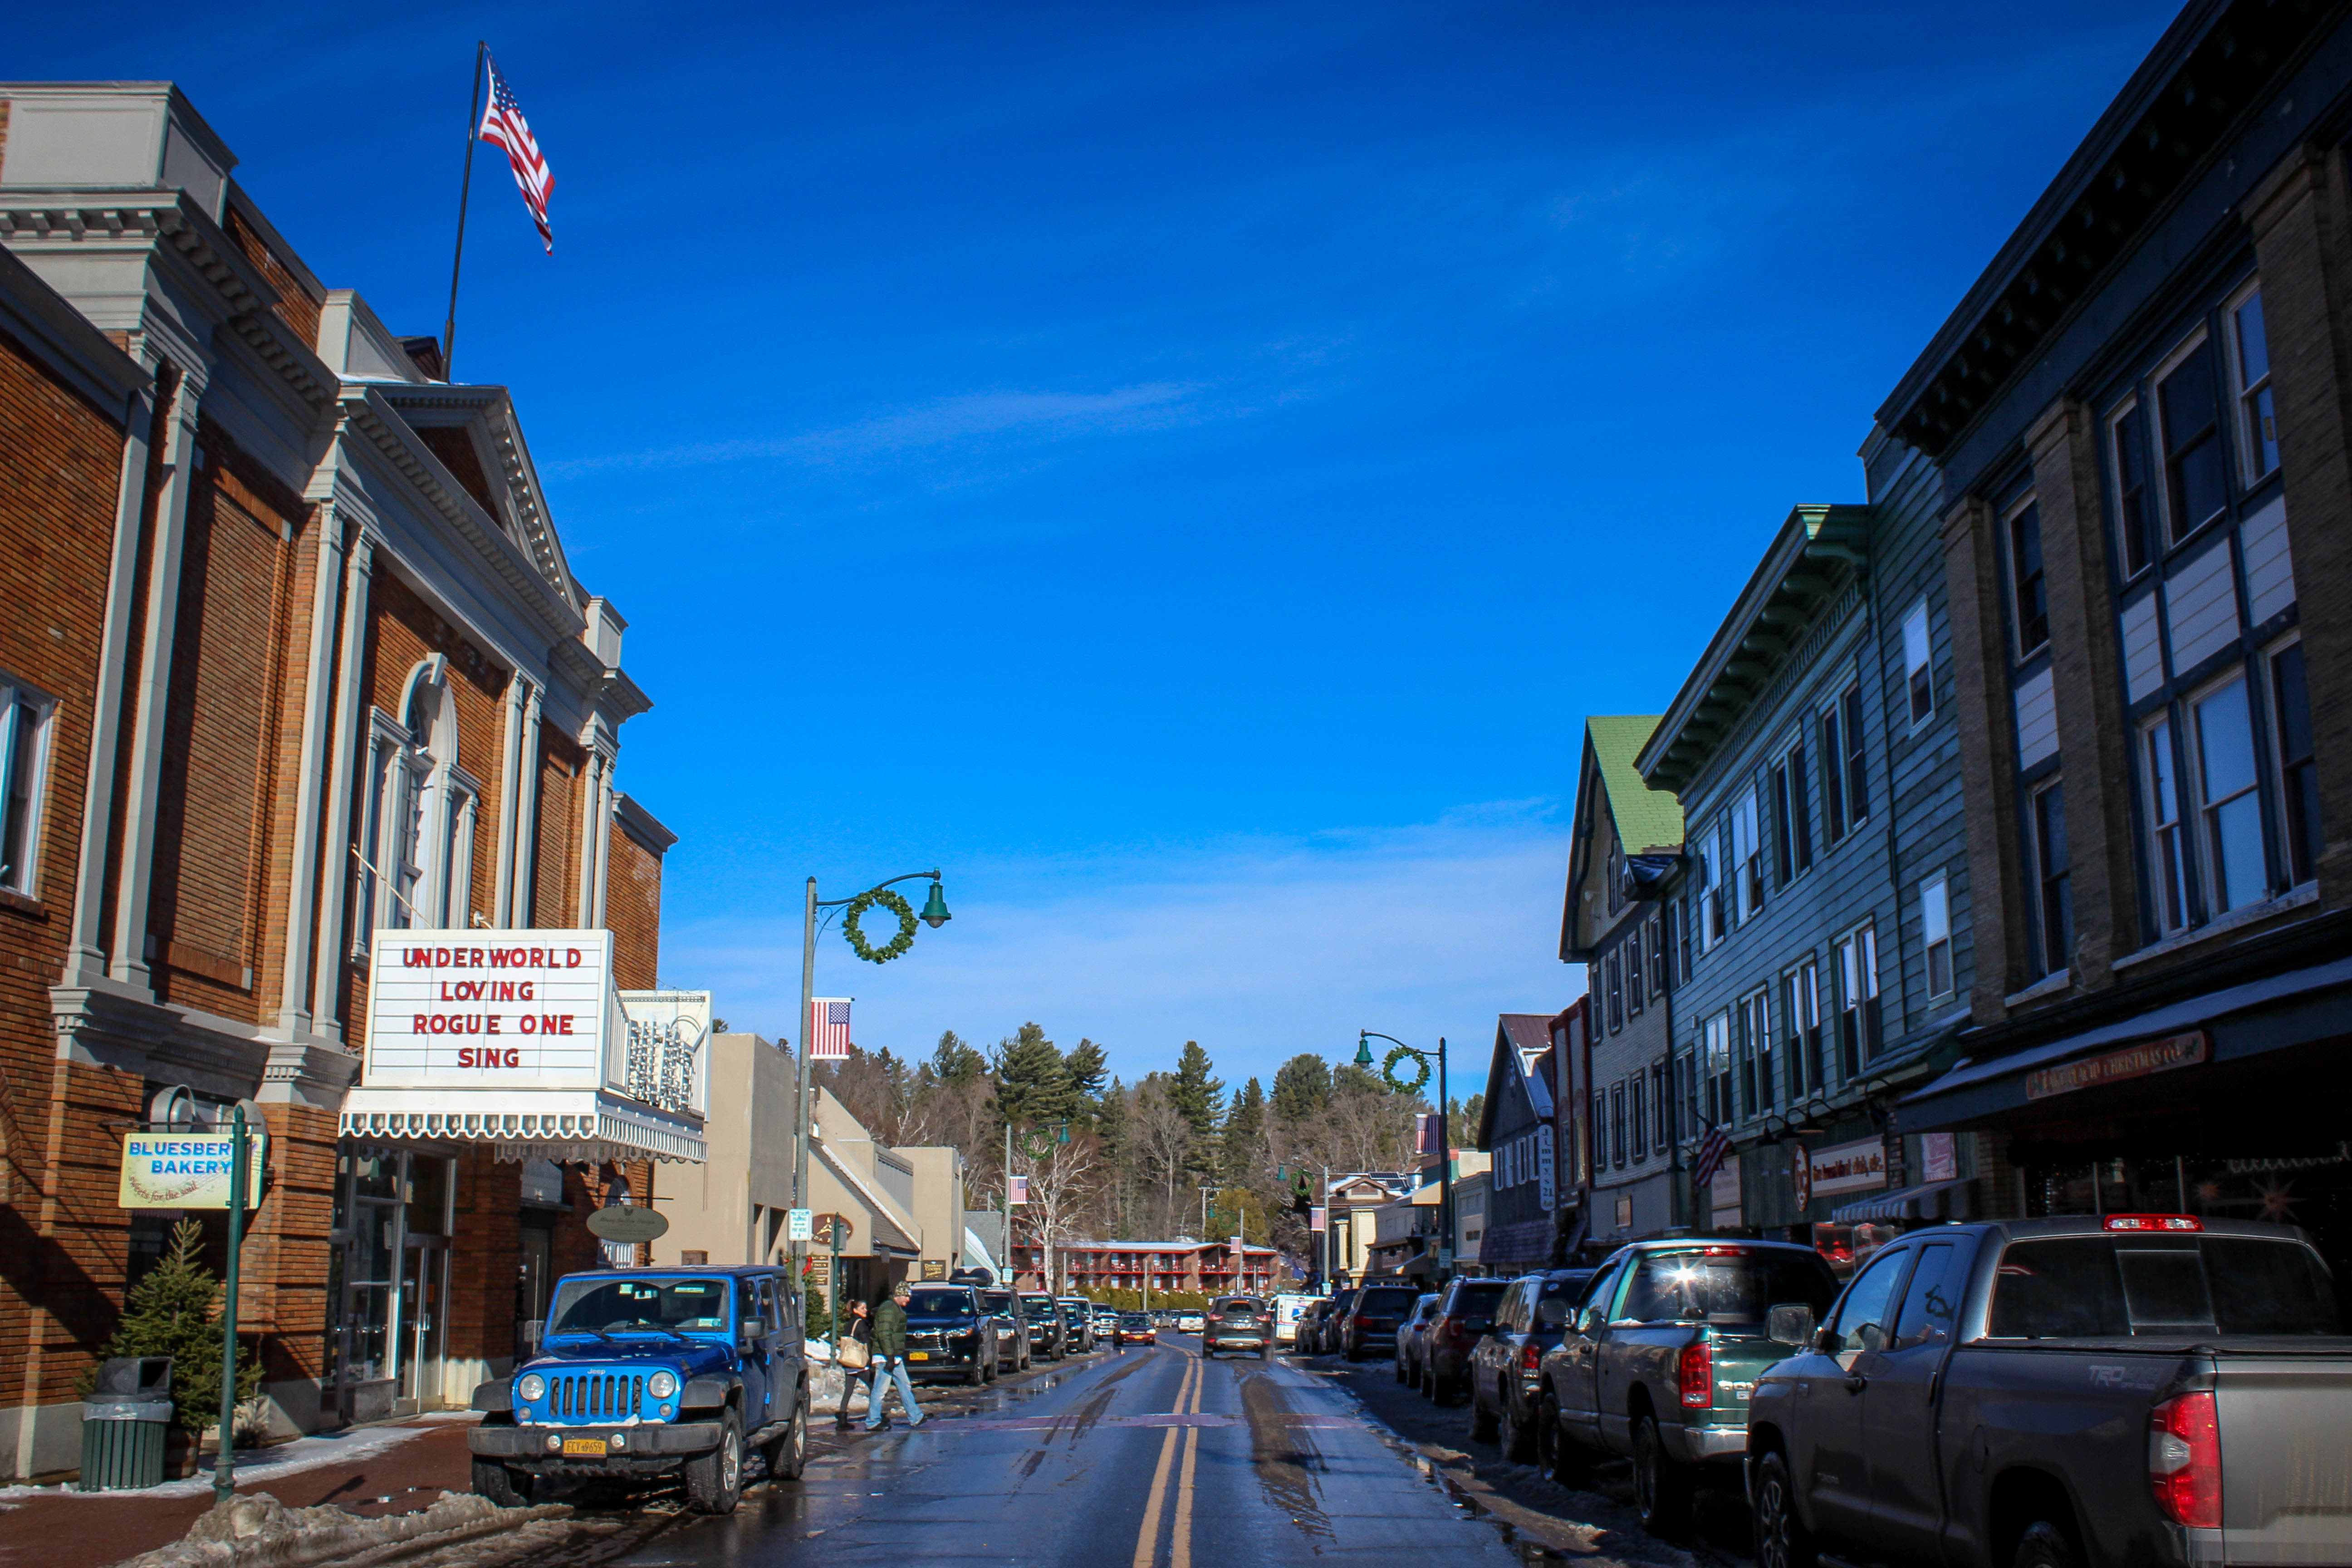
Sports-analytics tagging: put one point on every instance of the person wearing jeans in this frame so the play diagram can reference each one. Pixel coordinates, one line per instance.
(860, 1328)
(891, 1362)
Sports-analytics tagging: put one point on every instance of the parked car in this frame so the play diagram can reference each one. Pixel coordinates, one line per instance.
(1334, 1312)
(1659, 1359)
(1528, 1321)
(1106, 1326)
(650, 1377)
(1237, 1322)
(1012, 1330)
(1135, 1329)
(950, 1335)
(1078, 1313)
(1409, 1336)
(1289, 1308)
(1189, 1322)
(2045, 1394)
(1372, 1319)
(1465, 1311)
(1049, 1336)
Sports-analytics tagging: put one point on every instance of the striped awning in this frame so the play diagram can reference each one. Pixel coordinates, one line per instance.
(563, 1125)
(1932, 1200)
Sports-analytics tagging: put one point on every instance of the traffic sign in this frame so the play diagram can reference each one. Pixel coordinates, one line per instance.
(798, 1225)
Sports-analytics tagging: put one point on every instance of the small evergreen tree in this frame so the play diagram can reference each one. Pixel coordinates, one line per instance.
(1198, 1095)
(1301, 1089)
(175, 1311)
(1032, 1085)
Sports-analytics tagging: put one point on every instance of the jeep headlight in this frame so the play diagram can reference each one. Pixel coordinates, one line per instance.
(662, 1385)
(532, 1387)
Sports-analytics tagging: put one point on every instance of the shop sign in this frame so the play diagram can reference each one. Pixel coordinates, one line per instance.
(1801, 1176)
(493, 1009)
(1723, 1195)
(934, 1268)
(188, 1170)
(1939, 1159)
(2132, 1061)
(628, 1222)
(1855, 1167)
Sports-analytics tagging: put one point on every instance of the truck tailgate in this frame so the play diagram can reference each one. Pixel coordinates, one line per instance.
(2286, 1457)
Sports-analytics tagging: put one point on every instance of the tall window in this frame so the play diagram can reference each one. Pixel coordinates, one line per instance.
(1617, 1124)
(2298, 777)
(2168, 849)
(1936, 934)
(2055, 900)
(1683, 922)
(1637, 1121)
(1857, 778)
(1747, 857)
(1614, 969)
(1800, 1028)
(1856, 957)
(2229, 808)
(1718, 1068)
(1755, 1082)
(2250, 364)
(1714, 874)
(1661, 1108)
(1637, 978)
(1845, 781)
(1687, 1064)
(2189, 423)
(2029, 594)
(2128, 436)
(1659, 978)
(1919, 664)
(24, 739)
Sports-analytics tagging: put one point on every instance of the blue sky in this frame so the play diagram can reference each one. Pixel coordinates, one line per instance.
(1188, 469)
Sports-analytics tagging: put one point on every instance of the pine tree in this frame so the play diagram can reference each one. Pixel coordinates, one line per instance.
(175, 1311)
(954, 1062)
(1196, 1095)
(1032, 1086)
(1244, 1132)
(1086, 1067)
(1301, 1088)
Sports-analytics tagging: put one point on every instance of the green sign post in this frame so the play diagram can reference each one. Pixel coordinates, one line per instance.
(224, 1467)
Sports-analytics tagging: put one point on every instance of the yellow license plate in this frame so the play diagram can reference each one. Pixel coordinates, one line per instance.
(918, 1356)
(594, 1447)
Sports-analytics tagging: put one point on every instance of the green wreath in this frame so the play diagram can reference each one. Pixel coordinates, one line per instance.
(856, 913)
(1388, 1069)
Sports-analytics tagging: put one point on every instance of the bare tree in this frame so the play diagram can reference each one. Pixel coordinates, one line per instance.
(1163, 1139)
(1061, 1186)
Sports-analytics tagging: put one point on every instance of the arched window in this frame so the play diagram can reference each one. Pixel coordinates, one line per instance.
(418, 832)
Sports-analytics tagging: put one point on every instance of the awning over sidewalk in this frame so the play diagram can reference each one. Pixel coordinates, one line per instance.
(1932, 1200)
(526, 1124)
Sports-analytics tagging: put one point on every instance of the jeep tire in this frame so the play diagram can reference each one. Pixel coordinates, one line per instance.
(787, 1455)
(714, 1481)
(500, 1485)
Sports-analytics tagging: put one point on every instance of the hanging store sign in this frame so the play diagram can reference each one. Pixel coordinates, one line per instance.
(1723, 1195)
(2114, 1066)
(188, 1170)
(1857, 1167)
(521, 1038)
(628, 1222)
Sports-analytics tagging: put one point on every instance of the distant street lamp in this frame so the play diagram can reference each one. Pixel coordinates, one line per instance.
(935, 915)
(1364, 1039)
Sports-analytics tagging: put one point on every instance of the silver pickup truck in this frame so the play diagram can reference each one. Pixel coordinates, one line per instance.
(2123, 1389)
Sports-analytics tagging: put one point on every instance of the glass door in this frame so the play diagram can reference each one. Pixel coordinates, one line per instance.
(422, 1330)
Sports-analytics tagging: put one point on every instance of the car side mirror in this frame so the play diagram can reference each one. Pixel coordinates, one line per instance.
(1827, 1341)
(755, 1329)
(1790, 1324)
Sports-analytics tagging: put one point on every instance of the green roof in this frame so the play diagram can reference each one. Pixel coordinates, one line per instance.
(1645, 818)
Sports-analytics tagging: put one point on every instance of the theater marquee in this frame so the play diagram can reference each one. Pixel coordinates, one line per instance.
(521, 1039)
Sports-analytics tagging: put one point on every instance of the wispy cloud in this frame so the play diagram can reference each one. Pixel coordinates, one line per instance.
(944, 422)
(1258, 950)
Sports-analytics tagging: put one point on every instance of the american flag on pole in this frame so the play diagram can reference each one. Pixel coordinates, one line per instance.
(1019, 1194)
(1712, 1150)
(503, 123)
(828, 1032)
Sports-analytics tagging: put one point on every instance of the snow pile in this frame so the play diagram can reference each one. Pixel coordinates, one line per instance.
(256, 1531)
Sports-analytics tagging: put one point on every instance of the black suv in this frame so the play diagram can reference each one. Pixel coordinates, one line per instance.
(1237, 1322)
(1505, 1370)
(1465, 1312)
(1049, 1336)
(1372, 1321)
(950, 1333)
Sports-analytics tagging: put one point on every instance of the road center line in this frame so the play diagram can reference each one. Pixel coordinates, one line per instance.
(1180, 1546)
(1147, 1541)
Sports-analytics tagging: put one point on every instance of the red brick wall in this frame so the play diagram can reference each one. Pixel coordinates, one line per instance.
(482, 1266)
(67, 1247)
(295, 307)
(632, 911)
(555, 896)
(285, 1267)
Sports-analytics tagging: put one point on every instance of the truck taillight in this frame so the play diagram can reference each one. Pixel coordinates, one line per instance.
(2184, 1460)
(1530, 1357)
(1695, 1371)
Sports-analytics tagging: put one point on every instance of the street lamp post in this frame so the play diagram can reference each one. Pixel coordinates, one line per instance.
(1364, 1039)
(935, 915)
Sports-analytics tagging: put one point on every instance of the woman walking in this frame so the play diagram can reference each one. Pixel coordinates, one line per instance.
(859, 1331)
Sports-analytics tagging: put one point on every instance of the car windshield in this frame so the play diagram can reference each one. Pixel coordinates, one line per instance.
(1388, 1303)
(939, 1304)
(1725, 1285)
(1037, 1306)
(997, 1300)
(638, 1306)
(2096, 1287)
(1134, 1320)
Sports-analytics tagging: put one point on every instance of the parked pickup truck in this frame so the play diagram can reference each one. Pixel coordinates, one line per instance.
(1658, 1358)
(2125, 1389)
(650, 1377)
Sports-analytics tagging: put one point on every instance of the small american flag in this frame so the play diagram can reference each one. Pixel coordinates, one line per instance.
(1712, 1150)
(503, 123)
(1019, 1194)
(828, 1028)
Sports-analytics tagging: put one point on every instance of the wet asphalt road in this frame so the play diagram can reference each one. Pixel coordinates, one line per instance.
(1152, 1457)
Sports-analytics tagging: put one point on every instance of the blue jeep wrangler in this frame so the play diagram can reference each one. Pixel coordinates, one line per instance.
(649, 1377)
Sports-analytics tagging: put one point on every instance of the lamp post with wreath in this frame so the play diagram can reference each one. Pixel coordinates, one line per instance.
(1364, 1039)
(935, 915)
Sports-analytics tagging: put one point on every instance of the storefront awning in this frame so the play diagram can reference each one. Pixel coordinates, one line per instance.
(525, 1124)
(1932, 1200)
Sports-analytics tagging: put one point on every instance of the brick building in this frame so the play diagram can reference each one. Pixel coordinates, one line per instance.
(1201, 1268)
(2137, 419)
(293, 658)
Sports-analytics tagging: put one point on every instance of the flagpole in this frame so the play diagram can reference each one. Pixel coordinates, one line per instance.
(464, 189)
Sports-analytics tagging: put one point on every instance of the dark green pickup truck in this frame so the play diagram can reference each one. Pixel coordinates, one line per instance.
(1659, 1360)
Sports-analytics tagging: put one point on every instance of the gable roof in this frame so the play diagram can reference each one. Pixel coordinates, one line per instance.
(1644, 820)
(1522, 1048)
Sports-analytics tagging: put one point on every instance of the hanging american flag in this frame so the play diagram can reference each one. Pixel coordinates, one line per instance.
(828, 1032)
(503, 123)
(1712, 1150)
(1019, 1193)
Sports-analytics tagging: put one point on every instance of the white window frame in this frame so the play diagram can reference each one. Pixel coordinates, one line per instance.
(2166, 539)
(1754, 1036)
(1935, 932)
(1857, 981)
(1714, 1070)
(2251, 470)
(2171, 850)
(2213, 880)
(2039, 893)
(1917, 660)
(2019, 652)
(2151, 494)
(26, 720)
(1747, 859)
(2266, 680)
(1800, 1010)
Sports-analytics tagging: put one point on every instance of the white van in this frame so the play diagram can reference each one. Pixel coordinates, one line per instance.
(1287, 1309)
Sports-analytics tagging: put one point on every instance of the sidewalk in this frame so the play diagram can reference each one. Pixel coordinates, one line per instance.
(366, 1470)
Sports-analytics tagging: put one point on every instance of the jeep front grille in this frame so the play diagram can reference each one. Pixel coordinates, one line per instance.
(595, 1397)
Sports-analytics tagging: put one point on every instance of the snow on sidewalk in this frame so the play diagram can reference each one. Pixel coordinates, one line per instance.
(254, 1466)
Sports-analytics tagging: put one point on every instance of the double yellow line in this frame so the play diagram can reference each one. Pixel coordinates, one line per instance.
(1147, 1541)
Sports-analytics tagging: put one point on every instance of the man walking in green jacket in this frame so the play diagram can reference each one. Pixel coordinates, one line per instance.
(891, 1362)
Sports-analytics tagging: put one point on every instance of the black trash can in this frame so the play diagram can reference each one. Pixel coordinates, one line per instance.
(124, 1423)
